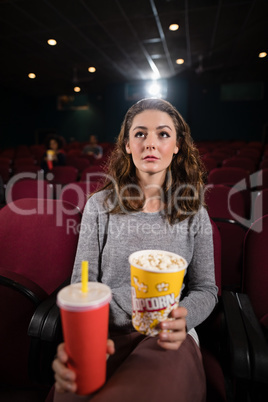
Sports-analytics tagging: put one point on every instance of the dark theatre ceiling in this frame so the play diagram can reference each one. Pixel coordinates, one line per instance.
(128, 41)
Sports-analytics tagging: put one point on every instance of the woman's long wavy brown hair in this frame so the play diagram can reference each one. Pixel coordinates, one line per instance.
(183, 185)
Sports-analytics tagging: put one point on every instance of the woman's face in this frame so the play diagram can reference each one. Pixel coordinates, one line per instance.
(152, 141)
(53, 145)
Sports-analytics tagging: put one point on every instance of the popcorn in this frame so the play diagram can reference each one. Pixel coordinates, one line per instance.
(159, 261)
(148, 322)
(156, 281)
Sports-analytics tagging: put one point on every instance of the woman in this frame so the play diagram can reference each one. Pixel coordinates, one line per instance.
(152, 200)
(56, 157)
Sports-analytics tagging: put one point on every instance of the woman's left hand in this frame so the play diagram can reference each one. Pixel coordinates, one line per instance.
(173, 338)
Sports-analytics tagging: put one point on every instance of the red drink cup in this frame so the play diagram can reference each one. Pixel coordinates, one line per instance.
(85, 318)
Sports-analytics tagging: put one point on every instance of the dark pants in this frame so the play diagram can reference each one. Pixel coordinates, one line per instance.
(140, 370)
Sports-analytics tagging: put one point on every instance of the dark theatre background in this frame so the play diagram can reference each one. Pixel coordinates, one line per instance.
(72, 69)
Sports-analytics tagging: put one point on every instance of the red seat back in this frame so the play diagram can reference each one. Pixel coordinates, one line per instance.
(77, 193)
(223, 204)
(63, 175)
(261, 204)
(227, 175)
(255, 271)
(244, 163)
(93, 173)
(38, 245)
(38, 240)
(28, 188)
(262, 178)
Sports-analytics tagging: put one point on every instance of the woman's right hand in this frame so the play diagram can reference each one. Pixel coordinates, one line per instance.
(65, 377)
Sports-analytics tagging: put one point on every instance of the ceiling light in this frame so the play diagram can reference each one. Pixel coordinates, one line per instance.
(154, 89)
(52, 42)
(91, 69)
(262, 55)
(32, 76)
(77, 89)
(180, 61)
(173, 27)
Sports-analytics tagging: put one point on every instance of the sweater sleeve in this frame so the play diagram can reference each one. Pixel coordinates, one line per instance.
(88, 248)
(201, 296)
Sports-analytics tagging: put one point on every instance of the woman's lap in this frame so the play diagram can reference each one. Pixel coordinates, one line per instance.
(143, 371)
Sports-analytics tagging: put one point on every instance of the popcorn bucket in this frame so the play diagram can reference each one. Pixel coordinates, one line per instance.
(156, 281)
(50, 156)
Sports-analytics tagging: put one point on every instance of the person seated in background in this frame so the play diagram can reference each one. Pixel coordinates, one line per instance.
(92, 148)
(54, 155)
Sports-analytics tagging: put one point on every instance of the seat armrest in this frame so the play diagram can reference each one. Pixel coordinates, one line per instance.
(39, 317)
(237, 338)
(45, 332)
(52, 326)
(258, 346)
(23, 285)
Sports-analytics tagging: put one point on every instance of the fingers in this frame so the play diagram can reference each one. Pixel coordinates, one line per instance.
(171, 337)
(178, 323)
(110, 347)
(173, 331)
(64, 377)
(61, 354)
(64, 385)
(179, 312)
(169, 345)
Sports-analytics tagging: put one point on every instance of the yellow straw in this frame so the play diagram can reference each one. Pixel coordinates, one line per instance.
(84, 276)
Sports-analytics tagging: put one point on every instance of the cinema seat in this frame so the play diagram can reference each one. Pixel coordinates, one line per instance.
(77, 193)
(213, 333)
(253, 302)
(38, 240)
(29, 188)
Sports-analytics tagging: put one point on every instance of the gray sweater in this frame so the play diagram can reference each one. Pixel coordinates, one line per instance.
(106, 241)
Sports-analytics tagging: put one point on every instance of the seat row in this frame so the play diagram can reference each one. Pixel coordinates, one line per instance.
(234, 212)
(39, 239)
(251, 156)
(245, 163)
(76, 192)
(29, 159)
(37, 150)
(233, 209)
(74, 167)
